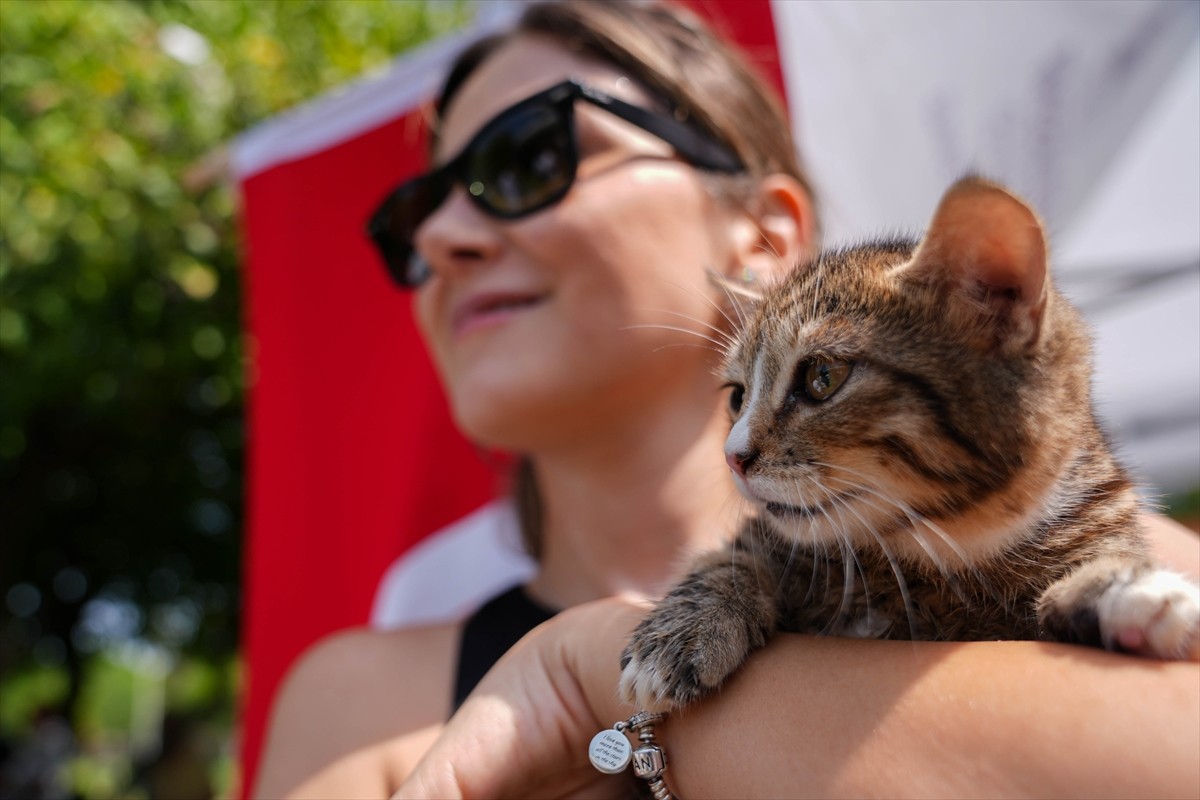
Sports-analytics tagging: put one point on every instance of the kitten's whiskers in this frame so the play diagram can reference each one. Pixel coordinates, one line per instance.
(915, 517)
(734, 324)
(893, 562)
(719, 346)
(726, 337)
(849, 557)
(820, 268)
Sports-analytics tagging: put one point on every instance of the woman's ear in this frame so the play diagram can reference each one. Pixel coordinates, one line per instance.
(776, 231)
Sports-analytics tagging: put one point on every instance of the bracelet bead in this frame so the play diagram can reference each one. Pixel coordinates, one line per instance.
(649, 761)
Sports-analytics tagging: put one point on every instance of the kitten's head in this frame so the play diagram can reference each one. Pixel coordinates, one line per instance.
(911, 395)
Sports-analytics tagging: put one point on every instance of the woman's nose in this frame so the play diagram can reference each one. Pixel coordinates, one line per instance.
(457, 236)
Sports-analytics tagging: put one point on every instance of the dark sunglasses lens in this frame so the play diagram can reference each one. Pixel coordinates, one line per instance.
(397, 221)
(524, 163)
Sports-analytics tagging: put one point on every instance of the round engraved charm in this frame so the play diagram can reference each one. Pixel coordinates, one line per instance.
(610, 751)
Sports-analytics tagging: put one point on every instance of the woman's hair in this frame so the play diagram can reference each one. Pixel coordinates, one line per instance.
(688, 69)
(677, 58)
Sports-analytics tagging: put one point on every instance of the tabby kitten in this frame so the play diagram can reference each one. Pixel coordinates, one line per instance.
(913, 421)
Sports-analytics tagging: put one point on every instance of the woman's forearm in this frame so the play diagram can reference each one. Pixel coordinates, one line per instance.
(834, 717)
(1173, 545)
(827, 717)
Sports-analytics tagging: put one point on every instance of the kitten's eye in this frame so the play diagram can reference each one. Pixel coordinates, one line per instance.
(823, 377)
(736, 396)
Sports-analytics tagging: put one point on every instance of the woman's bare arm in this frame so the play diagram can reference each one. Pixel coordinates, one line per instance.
(837, 718)
(833, 717)
(1173, 545)
(357, 712)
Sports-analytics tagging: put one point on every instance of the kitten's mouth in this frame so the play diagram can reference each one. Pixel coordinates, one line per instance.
(807, 512)
(784, 510)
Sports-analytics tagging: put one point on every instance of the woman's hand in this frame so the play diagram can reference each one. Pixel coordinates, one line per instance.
(525, 729)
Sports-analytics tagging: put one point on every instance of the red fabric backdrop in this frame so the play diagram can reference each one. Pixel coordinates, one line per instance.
(352, 457)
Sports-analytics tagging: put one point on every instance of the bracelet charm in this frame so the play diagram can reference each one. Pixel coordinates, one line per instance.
(610, 752)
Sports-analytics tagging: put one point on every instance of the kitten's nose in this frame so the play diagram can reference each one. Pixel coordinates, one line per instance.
(740, 462)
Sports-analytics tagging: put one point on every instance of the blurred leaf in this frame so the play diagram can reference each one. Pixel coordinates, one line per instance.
(26, 693)
(121, 349)
(120, 308)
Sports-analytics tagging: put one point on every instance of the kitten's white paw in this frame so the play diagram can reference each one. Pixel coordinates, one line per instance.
(1156, 615)
(645, 687)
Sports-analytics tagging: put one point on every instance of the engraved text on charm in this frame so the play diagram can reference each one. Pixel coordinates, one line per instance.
(610, 751)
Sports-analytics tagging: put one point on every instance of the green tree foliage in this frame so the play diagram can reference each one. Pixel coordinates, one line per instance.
(121, 352)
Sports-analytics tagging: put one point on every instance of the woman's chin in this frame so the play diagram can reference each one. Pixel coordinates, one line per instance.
(515, 421)
(493, 422)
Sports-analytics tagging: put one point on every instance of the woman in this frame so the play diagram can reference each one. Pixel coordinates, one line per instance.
(550, 299)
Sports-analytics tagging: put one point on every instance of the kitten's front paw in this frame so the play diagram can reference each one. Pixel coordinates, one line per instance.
(681, 652)
(1156, 615)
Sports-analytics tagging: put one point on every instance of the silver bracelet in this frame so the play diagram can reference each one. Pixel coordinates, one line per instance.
(610, 752)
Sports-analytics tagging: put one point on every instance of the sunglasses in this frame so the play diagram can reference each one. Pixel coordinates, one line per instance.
(520, 162)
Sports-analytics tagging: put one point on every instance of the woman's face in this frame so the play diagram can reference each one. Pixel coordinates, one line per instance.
(536, 325)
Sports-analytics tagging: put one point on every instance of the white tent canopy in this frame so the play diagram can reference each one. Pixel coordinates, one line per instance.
(1091, 110)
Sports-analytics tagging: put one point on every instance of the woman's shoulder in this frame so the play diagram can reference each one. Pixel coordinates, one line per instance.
(362, 674)
(368, 652)
(353, 696)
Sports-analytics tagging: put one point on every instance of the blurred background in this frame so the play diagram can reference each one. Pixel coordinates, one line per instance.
(122, 369)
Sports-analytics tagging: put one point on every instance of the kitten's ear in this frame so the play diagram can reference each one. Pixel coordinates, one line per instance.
(743, 293)
(985, 246)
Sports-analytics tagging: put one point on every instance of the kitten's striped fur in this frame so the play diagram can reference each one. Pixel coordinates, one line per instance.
(914, 422)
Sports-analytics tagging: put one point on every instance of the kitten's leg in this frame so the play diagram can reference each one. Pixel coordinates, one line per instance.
(1125, 605)
(703, 629)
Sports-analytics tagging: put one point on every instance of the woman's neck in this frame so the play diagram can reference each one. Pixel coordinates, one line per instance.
(623, 510)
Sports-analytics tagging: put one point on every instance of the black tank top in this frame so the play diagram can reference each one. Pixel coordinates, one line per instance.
(488, 634)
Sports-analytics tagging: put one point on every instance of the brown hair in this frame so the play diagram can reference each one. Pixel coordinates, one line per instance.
(678, 59)
(692, 72)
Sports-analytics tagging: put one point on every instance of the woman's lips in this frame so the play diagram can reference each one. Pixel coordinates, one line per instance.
(490, 308)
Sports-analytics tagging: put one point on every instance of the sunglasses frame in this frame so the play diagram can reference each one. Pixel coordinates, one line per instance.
(691, 145)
